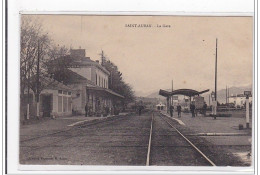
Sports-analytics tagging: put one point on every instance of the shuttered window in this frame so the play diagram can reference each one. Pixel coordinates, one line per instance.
(59, 103)
(69, 103)
(65, 103)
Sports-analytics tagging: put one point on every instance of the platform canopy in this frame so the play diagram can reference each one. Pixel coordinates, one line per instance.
(186, 92)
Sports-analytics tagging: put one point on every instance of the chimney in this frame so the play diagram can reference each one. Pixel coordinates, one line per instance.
(78, 52)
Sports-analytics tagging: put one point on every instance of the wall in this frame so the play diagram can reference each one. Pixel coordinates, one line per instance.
(77, 96)
(239, 101)
(101, 76)
(55, 104)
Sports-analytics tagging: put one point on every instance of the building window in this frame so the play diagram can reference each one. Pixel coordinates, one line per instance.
(69, 103)
(59, 103)
(96, 79)
(65, 103)
(60, 91)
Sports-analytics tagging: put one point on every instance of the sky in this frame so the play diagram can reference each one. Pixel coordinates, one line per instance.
(151, 57)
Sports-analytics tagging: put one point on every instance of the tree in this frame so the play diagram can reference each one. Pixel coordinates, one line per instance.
(116, 82)
(34, 45)
(59, 61)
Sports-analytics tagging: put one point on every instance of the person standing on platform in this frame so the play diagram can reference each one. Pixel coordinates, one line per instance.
(205, 108)
(86, 110)
(140, 109)
(179, 110)
(192, 109)
(171, 110)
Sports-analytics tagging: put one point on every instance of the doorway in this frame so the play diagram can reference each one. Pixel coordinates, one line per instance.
(46, 105)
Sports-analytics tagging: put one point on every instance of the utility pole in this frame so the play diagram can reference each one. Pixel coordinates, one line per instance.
(216, 68)
(226, 94)
(215, 104)
(102, 57)
(171, 95)
(172, 85)
(38, 82)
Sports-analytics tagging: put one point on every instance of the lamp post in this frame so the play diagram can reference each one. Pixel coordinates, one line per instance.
(216, 70)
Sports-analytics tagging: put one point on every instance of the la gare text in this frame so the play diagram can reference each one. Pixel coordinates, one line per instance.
(147, 25)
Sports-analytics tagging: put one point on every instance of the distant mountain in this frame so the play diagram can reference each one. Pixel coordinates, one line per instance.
(156, 95)
(141, 93)
(220, 93)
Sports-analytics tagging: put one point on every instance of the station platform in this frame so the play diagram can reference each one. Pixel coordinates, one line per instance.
(49, 126)
(222, 131)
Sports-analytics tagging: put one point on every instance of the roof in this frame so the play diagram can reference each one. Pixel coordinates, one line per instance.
(49, 83)
(186, 92)
(164, 93)
(74, 78)
(108, 91)
(239, 95)
(77, 61)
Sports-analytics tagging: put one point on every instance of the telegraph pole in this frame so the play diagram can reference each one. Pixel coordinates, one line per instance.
(216, 68)
(102, 57)
(172, 85)
(171, 95)
(226, 94)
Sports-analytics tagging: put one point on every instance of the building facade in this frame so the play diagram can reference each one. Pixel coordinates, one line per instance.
(90, 83)
(55, 99)
(239, 100)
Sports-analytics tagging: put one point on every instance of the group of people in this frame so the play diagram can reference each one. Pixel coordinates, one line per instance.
(178, 110)
(192, 109)
(105, 111)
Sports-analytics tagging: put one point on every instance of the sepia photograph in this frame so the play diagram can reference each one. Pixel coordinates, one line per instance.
(136, 90)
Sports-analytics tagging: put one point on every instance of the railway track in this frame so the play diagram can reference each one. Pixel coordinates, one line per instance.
(149, 139)
(67, 133)
(90, 123)
(190, 146)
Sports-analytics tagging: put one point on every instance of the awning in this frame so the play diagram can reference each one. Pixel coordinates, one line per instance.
(164, 93)
(104, 90)
(186, 92)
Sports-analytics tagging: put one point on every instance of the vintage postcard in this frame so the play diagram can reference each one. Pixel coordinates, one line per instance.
(133, 90)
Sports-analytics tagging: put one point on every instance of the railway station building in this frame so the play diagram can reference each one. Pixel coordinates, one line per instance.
(55, 99)
(89, 82)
